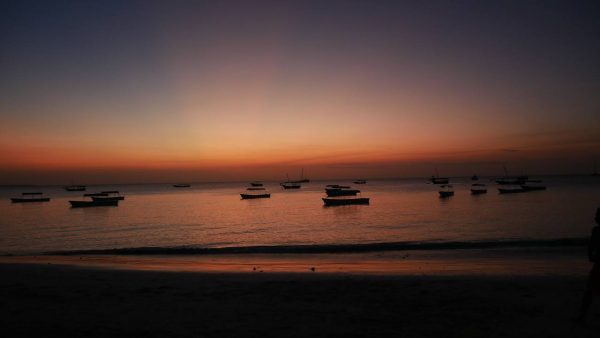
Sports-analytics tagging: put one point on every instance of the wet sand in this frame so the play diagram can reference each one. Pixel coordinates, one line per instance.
(52, 297)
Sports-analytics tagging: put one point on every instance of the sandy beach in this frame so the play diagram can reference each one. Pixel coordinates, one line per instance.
(57, 297)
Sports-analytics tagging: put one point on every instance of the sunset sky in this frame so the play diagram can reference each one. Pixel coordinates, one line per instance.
(158, 91)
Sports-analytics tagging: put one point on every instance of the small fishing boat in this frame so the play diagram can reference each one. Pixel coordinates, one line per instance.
(75, 188)
(516, 180)
(31, 197)
(95, 203)
(291, 185)
(114, 194)
(254, 196)
(511, 189)
(256, 184)
(478, 189)
(301, 180)
(181, 185)
(360, 182)
(336, 201)
(436, 179)
(332, 192)
(446, 190)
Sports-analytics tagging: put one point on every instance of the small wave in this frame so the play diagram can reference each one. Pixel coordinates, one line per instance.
(329, 248)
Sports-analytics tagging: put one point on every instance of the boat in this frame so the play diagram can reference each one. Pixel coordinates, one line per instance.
(474, 178)
(255, 188)
(360, 182)
(336, 201)
(95, 203)
(114, 194)
(511, 180)
(181, 185)
(301, 180)
(31, 197)
(436, 179)
(511, 189)
(446, 190)
(254, 196)
(256, 184)
(533, 185)
(95, 194)
(332, 192)
(75, 188)
(291, 185)
(478, 189)
(337, 186)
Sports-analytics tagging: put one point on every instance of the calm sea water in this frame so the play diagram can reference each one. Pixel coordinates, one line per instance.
(212, 215)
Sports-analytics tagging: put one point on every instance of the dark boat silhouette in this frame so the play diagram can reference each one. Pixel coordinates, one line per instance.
(301, 180)
(360, 182)
(32, 198)
(291, 185)
(332, 201)
(436, 179)
(511, 180)
(181, 185)
(95, 194)
(478, 189)
(333, 192)
(75, 188)
(474, 178)
(113, 194)
(254, 196)
(95, 203)
(255, 188)
(446, 191)
(256, 184)
(512, 189)
(337, 186)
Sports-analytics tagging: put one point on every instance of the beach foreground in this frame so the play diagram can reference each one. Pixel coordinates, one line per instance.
(67, 300)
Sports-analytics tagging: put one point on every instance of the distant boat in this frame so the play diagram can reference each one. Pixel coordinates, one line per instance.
(511, 180)
(256, 184)
(332, 192)
(478, 189)
(112, 195)
(360, 182)
(344, 201)
(337, 186)
(436, 179)
(254, 196)
(511, 189)
(75, 188)
(95, 194)
(181, 185)
(255, 188)
(32, 197)
(533, 185)
(95, 203)
(474, 178)
(446, 191)
(291, 185)
(301, 180)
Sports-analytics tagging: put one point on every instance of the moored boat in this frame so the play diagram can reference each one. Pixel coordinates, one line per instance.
(533, 185)
(95, 203)
(446, 191)
(255, 188)
(478, 189)
(254, 196)
(332, 192)
(75, 188)
(95, 194)
(511, 189)
(329, 201)
(360, 182)
(256, 184)
(114, 194)
(32, 197)
(291, 185)
(181, 185)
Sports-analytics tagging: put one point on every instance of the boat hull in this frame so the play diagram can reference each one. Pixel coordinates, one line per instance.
(511, 191)
(285, 186)
(110, 198)
(254, 196)
(341, 192)
(330, 202)
(75, 188)
(87, 204)
(181, 185)
(444, 194)
(30, 200)
(478, 191)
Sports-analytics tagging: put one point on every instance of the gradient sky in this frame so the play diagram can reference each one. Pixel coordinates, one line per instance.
(153, 91)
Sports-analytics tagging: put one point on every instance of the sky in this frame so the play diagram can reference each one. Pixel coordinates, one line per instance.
(175, 91)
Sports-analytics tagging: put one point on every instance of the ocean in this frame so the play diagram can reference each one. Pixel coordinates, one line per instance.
(212, 216)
